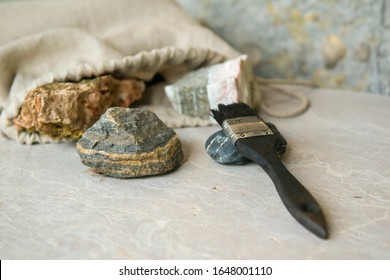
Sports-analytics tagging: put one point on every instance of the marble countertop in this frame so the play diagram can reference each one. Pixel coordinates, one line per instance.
(53, 207)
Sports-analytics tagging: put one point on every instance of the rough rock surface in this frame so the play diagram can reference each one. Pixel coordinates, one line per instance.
(128, 143)
(198, 91)
(66, 110)
(220, 148)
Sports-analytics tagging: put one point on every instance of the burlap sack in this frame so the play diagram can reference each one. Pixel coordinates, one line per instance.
(53, 41)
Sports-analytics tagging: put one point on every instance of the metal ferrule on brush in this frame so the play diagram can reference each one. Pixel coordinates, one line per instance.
(244, 127)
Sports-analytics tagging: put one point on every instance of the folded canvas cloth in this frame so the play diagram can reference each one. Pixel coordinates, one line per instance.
(53, 41)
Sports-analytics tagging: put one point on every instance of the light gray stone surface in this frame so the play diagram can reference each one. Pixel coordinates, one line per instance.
(52, 207)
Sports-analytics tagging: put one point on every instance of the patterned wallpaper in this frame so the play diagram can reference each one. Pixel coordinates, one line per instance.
(341, 44)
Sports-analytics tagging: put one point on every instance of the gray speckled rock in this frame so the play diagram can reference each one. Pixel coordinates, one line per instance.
(128, 143)
(220, 148)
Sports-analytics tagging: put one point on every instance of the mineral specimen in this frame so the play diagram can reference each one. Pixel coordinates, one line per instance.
(200, 90)
(66, 110)
(129, 143)
(220, 148)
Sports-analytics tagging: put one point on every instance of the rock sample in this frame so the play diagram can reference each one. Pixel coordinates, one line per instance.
(200, 90)
(129, 143)
(66, 110)
(220, 148)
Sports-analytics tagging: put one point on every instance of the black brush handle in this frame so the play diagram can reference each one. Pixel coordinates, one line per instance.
(299, 202)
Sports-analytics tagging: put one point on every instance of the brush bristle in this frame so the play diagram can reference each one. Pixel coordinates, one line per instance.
(234, 110)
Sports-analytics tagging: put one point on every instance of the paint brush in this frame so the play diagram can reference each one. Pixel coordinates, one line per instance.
(255, 140)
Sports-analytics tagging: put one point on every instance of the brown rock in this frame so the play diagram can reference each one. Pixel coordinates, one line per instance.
(67, 110)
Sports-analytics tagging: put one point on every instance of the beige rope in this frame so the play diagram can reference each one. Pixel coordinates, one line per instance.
(273, 84)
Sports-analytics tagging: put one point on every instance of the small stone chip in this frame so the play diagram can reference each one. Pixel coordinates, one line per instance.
(128, 143)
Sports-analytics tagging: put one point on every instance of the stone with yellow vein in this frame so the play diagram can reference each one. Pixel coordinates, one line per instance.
(128, 143)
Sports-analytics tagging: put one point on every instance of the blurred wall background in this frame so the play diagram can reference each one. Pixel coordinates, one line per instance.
(342, 44)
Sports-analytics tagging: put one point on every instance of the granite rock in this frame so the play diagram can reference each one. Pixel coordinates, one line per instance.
(220, 148)
(198, 91)
(66, 110)
(129, 143)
